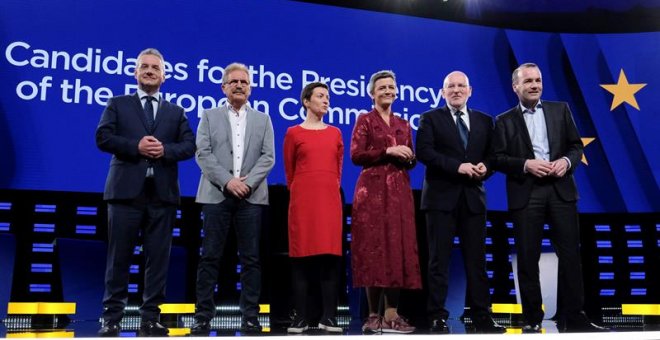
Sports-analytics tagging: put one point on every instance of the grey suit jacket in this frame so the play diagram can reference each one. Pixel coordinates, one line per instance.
(214, 155)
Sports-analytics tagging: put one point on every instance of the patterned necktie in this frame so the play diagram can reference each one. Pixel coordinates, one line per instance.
(462, 128)
(149, 111)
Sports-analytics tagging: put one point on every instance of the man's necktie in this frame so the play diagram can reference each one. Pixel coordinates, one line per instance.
(462, 129)
(149, 111)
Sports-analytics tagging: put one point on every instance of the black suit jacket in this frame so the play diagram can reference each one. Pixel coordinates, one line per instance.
(512, 146)
(123, 124)
(440, 149)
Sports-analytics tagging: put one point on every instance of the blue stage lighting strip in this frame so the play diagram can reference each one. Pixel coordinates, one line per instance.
(633, 229)
(134, 269)
(638, 291)
(603, 244)
(176, 232)
(39, 288)
(637, 275)
(132, 288)
(41, 268)
(89, 211)
(5, 205)
(45, 208)
(44, 228)
(511, 241)
(42, 248)
(4, 226)
(489, 273)
(489, 240)
(635, 244)
(509, 225)
(178, 214)
(602, 228)
(512, 292)
(605, 259)
(607, 292)
(489, 224)
(456, 240)
(606, 276)
(636, 259)
(86, 229)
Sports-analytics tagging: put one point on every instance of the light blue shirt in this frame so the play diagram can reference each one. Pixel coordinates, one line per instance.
(538, 132)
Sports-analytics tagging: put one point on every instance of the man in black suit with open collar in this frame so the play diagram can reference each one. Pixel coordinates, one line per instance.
(147, 136)
(453, 143)
(537, 145)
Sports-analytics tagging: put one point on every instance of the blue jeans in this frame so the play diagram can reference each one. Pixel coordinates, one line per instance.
(246, 220)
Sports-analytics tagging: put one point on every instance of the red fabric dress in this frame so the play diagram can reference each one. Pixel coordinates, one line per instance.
(312, 162)
(384, 242)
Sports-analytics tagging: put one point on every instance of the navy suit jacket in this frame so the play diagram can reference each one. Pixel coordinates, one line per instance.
(440, 149)
(512, 146)
(123, 124)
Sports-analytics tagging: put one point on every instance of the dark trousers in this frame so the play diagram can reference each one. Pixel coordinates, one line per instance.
(545, 205)
(441, 226)
(126, 220)
(320, 270)
(218, 219)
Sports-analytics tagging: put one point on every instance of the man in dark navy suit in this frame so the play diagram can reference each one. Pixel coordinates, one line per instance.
(453, 143)
(147, 136)
(537, 145)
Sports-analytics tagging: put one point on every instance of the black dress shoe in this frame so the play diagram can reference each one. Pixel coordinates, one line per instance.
(201, 328)
(487, 325)
(109, 329)
(439, 326)
(535, 328)
(579, 323)
(250, 325)
(152, 328)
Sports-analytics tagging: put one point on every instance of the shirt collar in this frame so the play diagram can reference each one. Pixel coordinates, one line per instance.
(523, 109)
(142, 94)
(454, 110)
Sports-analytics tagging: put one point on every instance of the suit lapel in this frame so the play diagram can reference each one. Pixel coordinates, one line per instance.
(160, 112)
(519, 121)
(449, 122)
(249, 122)
(550, 126)
(224, 121)
(139, 111)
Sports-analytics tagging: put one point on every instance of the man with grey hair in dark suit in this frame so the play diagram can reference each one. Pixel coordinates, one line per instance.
(147, 136)
(235, 151)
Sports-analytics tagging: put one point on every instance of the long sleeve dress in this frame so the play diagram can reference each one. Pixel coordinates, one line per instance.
(384, 242)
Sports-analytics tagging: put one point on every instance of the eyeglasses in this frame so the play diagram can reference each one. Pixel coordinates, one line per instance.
(235, 82)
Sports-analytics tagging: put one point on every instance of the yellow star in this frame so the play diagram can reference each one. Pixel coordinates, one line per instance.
(586, 141)
(623, 91)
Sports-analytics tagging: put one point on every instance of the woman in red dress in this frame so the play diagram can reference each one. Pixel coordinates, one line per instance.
(313, 155)
(384, 244)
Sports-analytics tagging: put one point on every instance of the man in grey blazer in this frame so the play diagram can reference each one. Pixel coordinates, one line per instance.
(235, 151)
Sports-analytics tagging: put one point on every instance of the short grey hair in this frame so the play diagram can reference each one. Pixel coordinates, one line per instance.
(154, 52)
(235, 67)
(516, 72)
(378, 76)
